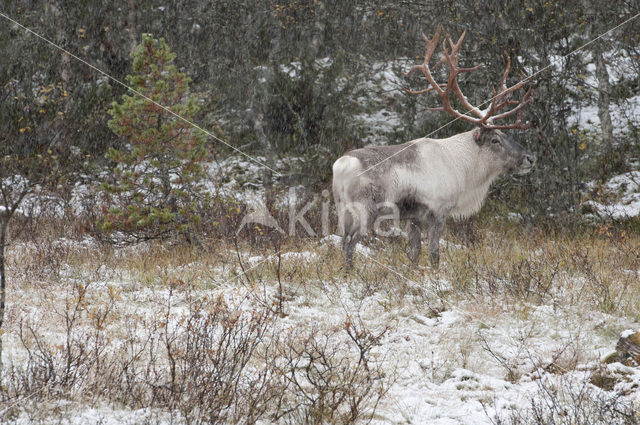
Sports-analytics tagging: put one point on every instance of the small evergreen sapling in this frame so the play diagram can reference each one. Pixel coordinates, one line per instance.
(157, 184)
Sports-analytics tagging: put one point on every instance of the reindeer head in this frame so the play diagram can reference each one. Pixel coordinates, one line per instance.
(502, 151)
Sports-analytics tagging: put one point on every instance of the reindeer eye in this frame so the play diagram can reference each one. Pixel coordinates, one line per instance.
(495, 141)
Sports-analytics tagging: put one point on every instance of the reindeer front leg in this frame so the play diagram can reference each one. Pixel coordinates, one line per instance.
(434, 233)
(349, 243)
(414, 248)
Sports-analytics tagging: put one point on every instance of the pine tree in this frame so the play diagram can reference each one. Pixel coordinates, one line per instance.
(156, 187)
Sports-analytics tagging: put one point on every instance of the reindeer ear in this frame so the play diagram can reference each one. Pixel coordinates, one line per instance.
(477, 135)
(481, 134)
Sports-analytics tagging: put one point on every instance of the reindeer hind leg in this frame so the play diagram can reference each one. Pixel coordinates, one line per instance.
(349, 240)
(356, 224)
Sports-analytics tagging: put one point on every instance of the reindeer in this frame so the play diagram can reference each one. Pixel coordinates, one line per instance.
(424, 181)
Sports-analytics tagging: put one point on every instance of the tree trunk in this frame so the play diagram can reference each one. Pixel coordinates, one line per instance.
(3, 282)
(602, 75)
(257, 119)
(604, 99)
(53, 9)
(318, 30)
(132, 22)
(256, 114)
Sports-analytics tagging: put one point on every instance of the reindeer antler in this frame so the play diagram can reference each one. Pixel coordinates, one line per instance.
(501, 96)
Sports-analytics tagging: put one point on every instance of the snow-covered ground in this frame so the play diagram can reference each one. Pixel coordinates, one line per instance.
(624, 190)
(445, 360)
(586, 117)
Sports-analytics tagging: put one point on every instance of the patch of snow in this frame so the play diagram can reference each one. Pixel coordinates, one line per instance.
(293, 69)
(384, 81)
(514, 217)
(377, 123)
(239, 178)
(286, 256)
(626, 191)
(78, 414)
(628, 111)
(617, 211)
(304, 256)
(337, 241)
(364, 250)
(255, 259)
(332, 239)
(626, 183)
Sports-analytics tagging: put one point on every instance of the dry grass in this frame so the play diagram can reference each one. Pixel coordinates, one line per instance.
(596, 269)
(192, 332)
(155, 317)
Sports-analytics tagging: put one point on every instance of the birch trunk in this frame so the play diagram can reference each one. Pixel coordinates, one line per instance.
(602, 75)
(604, 99)
(3, 282)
